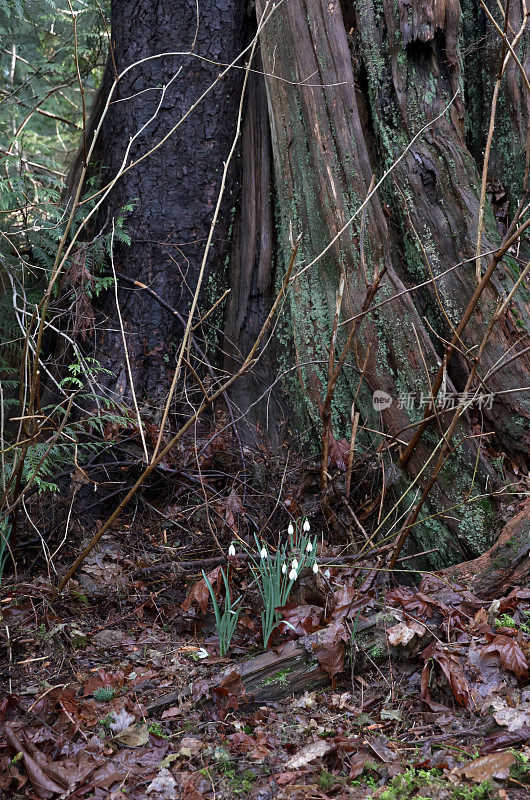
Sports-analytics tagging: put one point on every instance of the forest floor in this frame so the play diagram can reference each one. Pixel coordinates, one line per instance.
(439, 711)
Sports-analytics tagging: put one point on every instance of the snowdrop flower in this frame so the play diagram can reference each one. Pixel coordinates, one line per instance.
(263, 553)
(293, 575)
(327, 574)
(290, 529)
(284, 569)
(231, 550)
(315, 567)
(309, 547)
(294, 564)
(306, 526)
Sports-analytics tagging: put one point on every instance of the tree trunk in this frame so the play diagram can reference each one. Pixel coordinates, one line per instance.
(349, 90)
(505, 565)
(175, 190)
(250, 275)
(344, 105)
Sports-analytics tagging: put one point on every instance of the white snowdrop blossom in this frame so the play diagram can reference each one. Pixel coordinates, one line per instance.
(263, 553)
(327, 574)
(284, 569)
(293, 575)
(231, 550)
(306, 526)
(315, 567)
(309, 547)
(290, 529)
(294, 564)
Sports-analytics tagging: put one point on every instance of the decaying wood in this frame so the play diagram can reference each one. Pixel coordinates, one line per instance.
(266, 677)
(196, 565)
(294, 669)
(503, 566)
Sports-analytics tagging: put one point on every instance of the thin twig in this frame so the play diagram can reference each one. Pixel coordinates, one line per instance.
(247, 364)
(126, 349)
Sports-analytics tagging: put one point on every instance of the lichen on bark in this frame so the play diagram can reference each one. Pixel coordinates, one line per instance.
(411, 60)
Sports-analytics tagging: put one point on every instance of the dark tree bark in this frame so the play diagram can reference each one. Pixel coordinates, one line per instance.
(348, 87)
(251, 263)
(175, 190)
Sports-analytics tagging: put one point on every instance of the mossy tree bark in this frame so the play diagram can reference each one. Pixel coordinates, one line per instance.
(352, 86)
(348, 87)
(503, 566)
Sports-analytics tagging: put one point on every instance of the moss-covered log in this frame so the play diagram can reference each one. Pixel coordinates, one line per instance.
(295, 667)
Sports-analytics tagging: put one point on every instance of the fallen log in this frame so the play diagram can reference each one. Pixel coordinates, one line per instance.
(178, 568)
(295, 667)
(265, 678)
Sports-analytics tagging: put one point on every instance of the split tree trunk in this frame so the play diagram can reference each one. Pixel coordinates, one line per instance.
(348, 87)
(251, 267)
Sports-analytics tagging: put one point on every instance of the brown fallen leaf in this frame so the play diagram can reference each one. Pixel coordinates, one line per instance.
(48, 776)
(494, 765)
(301, 619)
(141, 761)
(511, 718)
(512, 600)
(510, 654)
(415, 603)
(452, 669)
(347, 600)
(199, 595)
(135, 736)
(328, 648)
(44, 785)
(190, 790)
(285, 778)
(358, 762)
(309, 753)
(403, 632)
(190, 746)
(7, 702)
(175, 711)
(232, 507)
(241, 742)
(229, 691)
(505, 739)
(380, 747)
(338, 451)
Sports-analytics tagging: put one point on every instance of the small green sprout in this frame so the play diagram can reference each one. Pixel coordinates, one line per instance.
(505, 621)
(104, 694)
